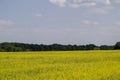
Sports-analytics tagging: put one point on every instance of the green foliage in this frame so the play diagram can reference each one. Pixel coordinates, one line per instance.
(90, 47)
(9, 47)
(12, 47)
(117, 45)
(105, 47)
(35, 47)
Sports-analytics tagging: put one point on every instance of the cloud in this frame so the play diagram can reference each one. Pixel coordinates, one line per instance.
(117, 1)
(79, 3)
(74, 5)
(101, 10)
(87, 4)
(5, 22)
(38, 15)
(106, 2)
(88, 22)
(61, 3)
(118, 23)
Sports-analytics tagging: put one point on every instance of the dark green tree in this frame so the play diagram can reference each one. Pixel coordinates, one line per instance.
(90, 47)
(106, 47)
(117, 45)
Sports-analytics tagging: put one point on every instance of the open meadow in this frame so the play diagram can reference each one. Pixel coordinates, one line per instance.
(60, 65)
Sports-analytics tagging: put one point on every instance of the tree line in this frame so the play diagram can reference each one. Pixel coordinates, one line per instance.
(14, 46)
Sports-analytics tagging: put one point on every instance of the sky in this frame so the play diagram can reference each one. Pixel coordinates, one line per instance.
(60, 21)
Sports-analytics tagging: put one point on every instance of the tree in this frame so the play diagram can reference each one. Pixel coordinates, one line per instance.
(117, 45)
(90, 47)
(106, 47)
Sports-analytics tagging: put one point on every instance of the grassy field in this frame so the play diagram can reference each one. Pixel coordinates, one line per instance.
(60, 65)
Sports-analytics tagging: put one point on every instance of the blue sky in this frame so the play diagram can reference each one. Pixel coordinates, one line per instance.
(60, 21)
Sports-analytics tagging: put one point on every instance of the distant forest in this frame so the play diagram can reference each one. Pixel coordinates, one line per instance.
(14, 47)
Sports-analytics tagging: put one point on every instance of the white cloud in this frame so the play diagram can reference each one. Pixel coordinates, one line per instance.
(101, 10)
(58, 2)
(89, 22)
(89, 4)
(117, 1)
(118, 23)
(108, 2)
(38, 15)
(86, 4)
(5, 22)
(74, 5)
(78, 3)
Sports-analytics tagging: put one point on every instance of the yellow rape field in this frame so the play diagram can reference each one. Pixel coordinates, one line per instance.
(60, 65)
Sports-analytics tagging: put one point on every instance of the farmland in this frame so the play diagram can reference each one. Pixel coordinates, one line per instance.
(60, 65)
